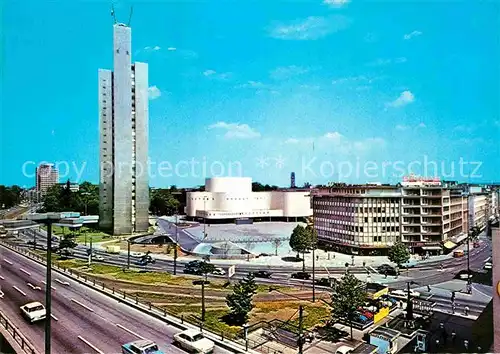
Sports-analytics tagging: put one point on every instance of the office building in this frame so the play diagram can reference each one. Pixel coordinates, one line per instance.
(74, 187)
(123, 110)
(46, 176)
(369, 219)
(479, 209)
(231, 198)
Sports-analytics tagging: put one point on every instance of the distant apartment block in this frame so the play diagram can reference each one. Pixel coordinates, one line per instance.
(369, 219)
(480, 207)
(46, 176)
(123, 110)
(74, 187)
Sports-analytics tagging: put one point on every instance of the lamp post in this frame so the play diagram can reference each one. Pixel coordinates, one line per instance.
(204, 217)
(48, 219)
(469, 285)
(176, 243)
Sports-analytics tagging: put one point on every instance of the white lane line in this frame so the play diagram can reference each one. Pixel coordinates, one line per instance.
(25, 272)
(7, 261)
(62, 282)
(2, 277)
(90, 344)
(22, 292)
(129, 331)
(1, 294)
(82, 305)
(45, 283)
(34, 287)
(54, 317)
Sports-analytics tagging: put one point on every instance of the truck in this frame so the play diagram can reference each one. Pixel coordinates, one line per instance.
(113, 249)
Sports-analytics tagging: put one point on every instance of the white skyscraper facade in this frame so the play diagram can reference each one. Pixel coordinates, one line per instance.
(123, 111)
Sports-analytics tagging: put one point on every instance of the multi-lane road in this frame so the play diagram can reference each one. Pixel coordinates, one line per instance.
(84, 320)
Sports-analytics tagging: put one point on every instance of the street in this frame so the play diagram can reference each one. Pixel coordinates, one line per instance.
(80, 315)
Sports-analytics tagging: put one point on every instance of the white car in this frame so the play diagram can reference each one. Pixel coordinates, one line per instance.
(219, 271)
(33, 311)
(97, 258)
(142, 346)
(488, 266)
(194, 341)
(403, 294)
(344, 349)
(137, 254)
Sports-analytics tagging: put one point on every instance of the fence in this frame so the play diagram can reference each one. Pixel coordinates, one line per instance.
(16, 335)
(159, 312)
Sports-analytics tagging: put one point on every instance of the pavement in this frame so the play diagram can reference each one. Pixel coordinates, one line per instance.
(84, 319)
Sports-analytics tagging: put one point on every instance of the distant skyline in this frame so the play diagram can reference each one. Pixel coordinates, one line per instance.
(259, 89)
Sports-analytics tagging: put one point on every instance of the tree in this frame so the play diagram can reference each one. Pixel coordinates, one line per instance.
(311, 236)
(240, 300)
(347, 296)
(162, 202)
(475, 231)
(277, 244)
(10, 196)
(206, 268)
(299, 243)
(399, 254)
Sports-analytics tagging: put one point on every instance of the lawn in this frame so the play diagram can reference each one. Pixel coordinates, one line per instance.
(83, 234)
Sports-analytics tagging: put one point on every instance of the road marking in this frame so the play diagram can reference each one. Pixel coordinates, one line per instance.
(82, 305)
(54, 317)
(22, 292)
(62, 282)
(129, 331)
(45, 283)
(1, 294)
(2, 277)
(7, 261)
(34, 287)
(25, 272)
(90, 344)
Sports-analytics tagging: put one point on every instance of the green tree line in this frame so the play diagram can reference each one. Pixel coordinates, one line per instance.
(10, 196)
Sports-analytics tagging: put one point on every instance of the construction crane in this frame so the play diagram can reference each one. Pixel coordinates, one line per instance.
(113, 14)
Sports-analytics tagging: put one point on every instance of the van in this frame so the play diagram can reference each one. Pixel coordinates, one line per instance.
(458, 253)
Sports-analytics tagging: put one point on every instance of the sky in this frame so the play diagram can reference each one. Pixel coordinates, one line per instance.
(333, 90)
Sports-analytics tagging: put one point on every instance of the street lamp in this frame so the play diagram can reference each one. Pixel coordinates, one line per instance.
(48, 219)
(469, 280)
(176, 243)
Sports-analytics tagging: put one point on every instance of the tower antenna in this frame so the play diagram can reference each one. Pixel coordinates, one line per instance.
(113, 13)
(130, 17)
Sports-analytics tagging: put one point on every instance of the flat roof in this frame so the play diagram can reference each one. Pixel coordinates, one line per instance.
(385, 333)
(365, 348)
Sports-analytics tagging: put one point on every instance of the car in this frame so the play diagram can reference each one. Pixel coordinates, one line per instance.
(403, 294)
(344, 349)
(194, 341)
(488, 266)
(262, 274)
(142, 346)
(219, 271)
(97, 258)
(137, 254)
(301, 275)
(33, 311)
(324, 282)
(387, 269)
(193, 267)
(476, 244)
(409, 264)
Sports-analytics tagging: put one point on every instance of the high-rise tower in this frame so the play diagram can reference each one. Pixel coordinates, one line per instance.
(123, 111)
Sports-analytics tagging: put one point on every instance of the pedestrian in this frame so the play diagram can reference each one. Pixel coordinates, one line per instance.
(334, 256)
(385, 273)
(441, 325)
(317, 257)
(466, 344)
(453, 336)
(466, 310)
(364, 264)
(479, 349)
(429, 288)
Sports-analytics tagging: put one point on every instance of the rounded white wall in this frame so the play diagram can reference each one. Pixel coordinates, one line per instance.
(296, 204)
(234, 202)
(237, 185)
(195, 201)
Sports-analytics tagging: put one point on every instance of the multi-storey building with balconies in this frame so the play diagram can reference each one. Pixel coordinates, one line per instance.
(362, 219)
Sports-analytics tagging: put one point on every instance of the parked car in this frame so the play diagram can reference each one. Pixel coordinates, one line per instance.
(194, 341)
(142, 346)
(301, 275)
(403, 294)
(262, 274)
(137, 254)
(344, 349)
(387, 269)
(97, 258)
(33, 311)
(409, 264)
(324, 282)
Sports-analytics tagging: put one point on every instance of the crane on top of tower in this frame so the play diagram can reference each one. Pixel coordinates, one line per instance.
(113, 14)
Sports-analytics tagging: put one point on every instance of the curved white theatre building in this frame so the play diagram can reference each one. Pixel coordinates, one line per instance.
(232, 198)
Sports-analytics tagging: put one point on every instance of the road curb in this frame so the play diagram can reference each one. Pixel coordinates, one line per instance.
(143, 308)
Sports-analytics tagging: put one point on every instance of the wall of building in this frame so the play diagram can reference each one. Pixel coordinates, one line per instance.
(496, 286)
(232, 197)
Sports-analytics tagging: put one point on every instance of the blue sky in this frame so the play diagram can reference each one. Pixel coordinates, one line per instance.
(329, 89)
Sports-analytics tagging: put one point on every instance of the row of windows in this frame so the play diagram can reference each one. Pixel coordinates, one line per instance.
(239, 214)
(207, 198)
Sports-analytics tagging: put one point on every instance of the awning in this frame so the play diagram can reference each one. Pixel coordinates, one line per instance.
(431, 248)
(449, 245)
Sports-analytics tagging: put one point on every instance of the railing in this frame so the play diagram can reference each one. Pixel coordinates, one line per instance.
(159, 312)
(16, 335)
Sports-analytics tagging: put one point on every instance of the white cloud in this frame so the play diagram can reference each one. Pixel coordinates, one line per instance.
(253, 84)
(154, 92)
(402, 127)
(236, 130)
(292, 141)
(368, 144)
(381, 62)
(349, 79)
(285, 72)
(421, 125)
(215, 75)
(412, 34)
(333, 136)
(406, 97)
(311, 28)
(171, 49)
(336, 3)
(156, 47)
